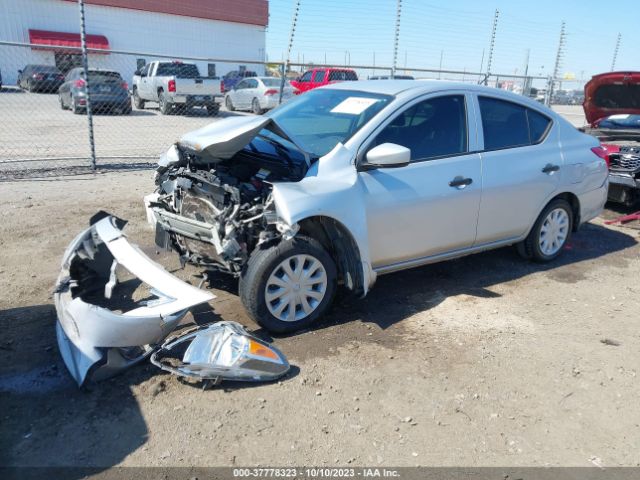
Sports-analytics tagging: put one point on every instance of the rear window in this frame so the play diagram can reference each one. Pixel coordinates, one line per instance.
(104, 77)
(273, 82)
(618, 96)
(178, 70)
(45, 69)
(342, 75)
(506, 124)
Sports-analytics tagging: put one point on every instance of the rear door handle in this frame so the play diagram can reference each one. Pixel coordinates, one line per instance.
(548, 168)
(460, 182)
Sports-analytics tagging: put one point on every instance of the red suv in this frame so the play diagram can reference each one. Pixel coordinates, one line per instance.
(318, 77)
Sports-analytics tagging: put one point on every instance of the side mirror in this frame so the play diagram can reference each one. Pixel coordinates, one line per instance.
(388, 155)
(137, 72)
(20, 72)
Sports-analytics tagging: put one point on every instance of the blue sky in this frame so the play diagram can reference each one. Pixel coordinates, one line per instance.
(459, 31)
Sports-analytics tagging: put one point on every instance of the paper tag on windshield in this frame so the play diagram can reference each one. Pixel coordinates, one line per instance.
(619, 116)
(263, 173)
(354, 105)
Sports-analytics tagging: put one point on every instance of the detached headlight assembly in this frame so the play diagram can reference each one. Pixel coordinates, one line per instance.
(222, 351)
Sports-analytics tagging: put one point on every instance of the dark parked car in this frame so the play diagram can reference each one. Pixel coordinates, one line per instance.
(40, 78)
(109, 92)
(231, 79)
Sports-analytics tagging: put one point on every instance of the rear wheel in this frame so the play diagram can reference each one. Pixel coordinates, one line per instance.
(550, 233)
(165, 106)
(137, 101)
(288, 286)
(61, 102)
(255, 107)
(213, 110)
(229, 104)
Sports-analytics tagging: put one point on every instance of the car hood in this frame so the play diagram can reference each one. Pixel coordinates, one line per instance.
(615, 93)
(221, 140)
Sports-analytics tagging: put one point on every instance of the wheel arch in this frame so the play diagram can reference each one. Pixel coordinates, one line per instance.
(341, 245)
(574, 201)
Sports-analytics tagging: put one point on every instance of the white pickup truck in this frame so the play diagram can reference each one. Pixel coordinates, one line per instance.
(175, 85)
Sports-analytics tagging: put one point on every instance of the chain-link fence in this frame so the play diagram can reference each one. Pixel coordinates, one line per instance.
(66, 109)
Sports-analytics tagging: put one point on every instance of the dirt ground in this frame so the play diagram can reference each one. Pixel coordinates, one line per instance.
(483, 361)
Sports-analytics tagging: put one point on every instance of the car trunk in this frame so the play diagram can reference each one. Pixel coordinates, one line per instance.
(615, 93)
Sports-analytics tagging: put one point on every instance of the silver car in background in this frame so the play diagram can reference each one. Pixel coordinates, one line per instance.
(257, 94)
(359, 179)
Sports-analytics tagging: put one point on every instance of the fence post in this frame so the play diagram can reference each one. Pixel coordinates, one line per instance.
(283, 80)
(547, 96)
(85, 68)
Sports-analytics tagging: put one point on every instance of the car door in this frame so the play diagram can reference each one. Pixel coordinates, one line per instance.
(251, 91)
(65, 88)
(144, 85)
(521, 160)
(239, 95)
(430, 206)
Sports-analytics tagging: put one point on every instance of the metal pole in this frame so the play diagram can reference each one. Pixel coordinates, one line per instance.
(294, 21)
(558, 64)
(615, 52)
(526, 84)
(441, 55)
(396, 39)
(492, 45)
(85, 68)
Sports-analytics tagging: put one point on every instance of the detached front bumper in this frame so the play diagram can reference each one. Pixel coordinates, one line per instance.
(97, 338)
(624, 187)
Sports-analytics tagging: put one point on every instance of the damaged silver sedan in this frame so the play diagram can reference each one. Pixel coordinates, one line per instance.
(358, 179)
(100, 332)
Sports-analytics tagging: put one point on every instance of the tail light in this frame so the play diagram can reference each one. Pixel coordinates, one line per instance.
(125, 85)
(271, 91)
(172, 85)
(221, 86)
(60, 77)
(603, 151)
(80, 83)
(38, 76)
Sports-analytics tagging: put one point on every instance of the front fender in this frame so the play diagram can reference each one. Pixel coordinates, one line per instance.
(330, 189)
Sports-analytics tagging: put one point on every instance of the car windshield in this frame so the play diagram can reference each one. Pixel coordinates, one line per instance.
(179, 70)
(320, 119)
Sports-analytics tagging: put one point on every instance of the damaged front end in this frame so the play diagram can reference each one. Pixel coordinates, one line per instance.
(102, 328)
(213, 202)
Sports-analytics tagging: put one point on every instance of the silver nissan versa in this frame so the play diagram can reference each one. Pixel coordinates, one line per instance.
(358, 179)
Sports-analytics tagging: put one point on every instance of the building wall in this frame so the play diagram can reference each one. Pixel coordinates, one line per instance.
(127, 30)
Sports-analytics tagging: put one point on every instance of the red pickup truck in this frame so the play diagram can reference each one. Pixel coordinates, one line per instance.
(318, 77)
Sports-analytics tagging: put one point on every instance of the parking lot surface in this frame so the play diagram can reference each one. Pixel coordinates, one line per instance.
(483, 361)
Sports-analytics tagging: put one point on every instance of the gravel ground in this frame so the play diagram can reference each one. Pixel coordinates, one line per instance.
(482, 361)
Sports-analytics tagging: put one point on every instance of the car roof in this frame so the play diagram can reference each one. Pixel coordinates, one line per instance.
(396, 87)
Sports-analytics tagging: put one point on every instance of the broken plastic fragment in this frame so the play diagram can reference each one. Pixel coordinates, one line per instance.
(222, 351)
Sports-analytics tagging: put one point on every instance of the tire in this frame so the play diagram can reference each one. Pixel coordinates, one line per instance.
(556, 223)
(165, 107)
(74, 108)
(137, 101)
(255, 107)
(213, 110)
(265, 267)
(61, 102)
(229, 104)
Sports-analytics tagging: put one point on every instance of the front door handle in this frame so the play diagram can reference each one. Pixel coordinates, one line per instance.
(548, 168)
(460, 182)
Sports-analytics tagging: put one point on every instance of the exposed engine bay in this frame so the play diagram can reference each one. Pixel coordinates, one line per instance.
(215, 211)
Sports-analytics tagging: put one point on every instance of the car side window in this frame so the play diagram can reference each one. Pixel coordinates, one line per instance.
(318, 76)
(436, 127)
(242, 84)
(538, 125)
(252, 83)
(306, 77)
(507, 125)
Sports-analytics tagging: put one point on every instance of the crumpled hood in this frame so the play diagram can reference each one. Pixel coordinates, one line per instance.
(613, 93)
(224, 138)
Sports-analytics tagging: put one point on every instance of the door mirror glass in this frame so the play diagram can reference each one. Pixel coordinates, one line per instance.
(388, 155)
(137, 72)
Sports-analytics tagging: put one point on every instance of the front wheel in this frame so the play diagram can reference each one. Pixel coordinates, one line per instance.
(137, 101)
(229, 104)
(549, 234)
(288, 286)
